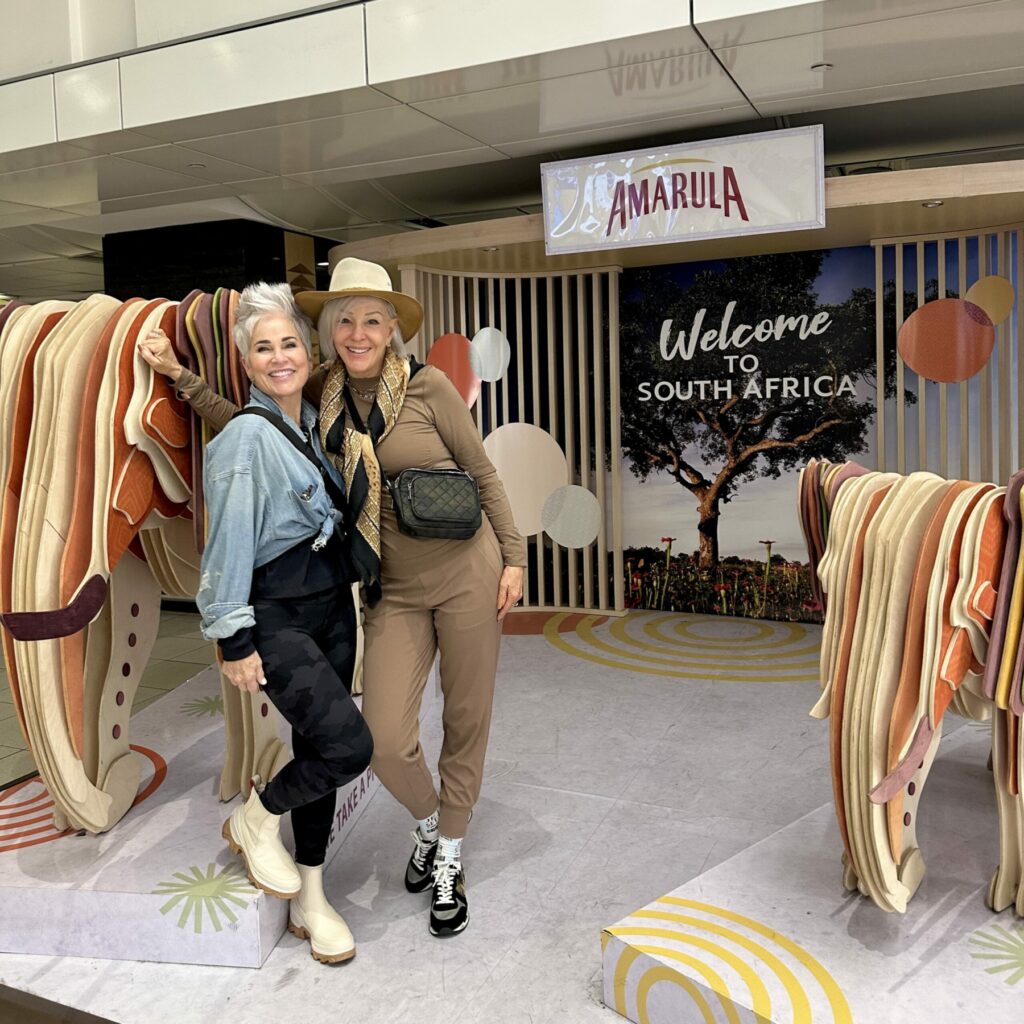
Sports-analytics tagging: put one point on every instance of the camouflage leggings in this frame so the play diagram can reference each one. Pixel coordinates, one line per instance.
(307, 645)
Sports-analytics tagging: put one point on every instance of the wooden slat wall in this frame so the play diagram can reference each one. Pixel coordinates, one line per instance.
(564, 378)
(988, 435)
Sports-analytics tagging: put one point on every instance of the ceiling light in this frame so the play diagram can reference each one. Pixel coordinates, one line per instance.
(323, 263)
(932, 203)
(489, 248)
(197, 165)
(822, 66)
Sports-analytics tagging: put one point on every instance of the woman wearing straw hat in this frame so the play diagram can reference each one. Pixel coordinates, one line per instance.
(424, 595)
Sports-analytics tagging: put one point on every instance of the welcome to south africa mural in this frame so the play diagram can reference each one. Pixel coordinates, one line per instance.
(734, 373)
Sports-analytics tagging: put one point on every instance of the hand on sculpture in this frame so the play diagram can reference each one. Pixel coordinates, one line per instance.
(510, 589)
(157, 350)
(246, 673)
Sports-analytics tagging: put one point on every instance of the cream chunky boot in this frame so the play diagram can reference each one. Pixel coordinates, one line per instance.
(311, 917)
(254, 833)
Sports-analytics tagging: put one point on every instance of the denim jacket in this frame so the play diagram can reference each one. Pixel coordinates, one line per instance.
(262, 498)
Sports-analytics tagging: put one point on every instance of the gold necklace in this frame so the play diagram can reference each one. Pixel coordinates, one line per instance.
(364, 395)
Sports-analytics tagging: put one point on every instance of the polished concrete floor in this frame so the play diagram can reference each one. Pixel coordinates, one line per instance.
(625, 759)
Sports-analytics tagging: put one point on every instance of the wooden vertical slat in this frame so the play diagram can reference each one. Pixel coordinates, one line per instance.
(463, 326)
(880, 374)
(600, 408)
(582, 392)
(521, 416)
(556, 554)
(965, 396)
(535, 383)
(506, 416)
(492, 387)
(474, 301)
(985, 387)
(943, 394)
(901, 412)
(449, 320)
(615, 401)
(922, 382)
(1005, 371)
(569, 447)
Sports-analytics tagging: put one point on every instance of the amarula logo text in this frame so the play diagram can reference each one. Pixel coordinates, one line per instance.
(716, 189)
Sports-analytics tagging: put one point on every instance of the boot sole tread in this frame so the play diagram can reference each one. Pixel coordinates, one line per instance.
(324, 958)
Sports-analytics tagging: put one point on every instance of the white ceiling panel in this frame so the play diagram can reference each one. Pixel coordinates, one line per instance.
(84, 181)
(666, 87)
(465, 190)
(321, 53)
(306, 209)
(725, 23)
(375, 204)
(27, 113)
(915, 56)
(394, 133)
(614, 140)
(421, 48)
(187, 161)
(400, 165)
(145, 218)
(268, 115)
(361, 233)
(88, 100)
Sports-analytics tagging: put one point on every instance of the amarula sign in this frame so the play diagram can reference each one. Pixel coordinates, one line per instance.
(772, 181)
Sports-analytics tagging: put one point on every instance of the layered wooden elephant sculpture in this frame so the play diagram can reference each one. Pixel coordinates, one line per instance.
(101, 511)
(923, 608)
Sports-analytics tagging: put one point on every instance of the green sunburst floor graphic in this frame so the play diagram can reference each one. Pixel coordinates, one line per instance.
(204, 707)
(1004, 947)
(211, 893)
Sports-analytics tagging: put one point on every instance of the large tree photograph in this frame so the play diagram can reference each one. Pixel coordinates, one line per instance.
(734, 374)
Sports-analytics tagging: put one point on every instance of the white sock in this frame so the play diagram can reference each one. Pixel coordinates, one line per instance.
(428, 827)
(449, 850)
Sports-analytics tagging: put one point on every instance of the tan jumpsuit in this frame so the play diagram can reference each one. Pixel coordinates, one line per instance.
(437, 595)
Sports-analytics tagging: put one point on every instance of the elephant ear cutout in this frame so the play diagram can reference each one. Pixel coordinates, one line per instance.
(948, 340)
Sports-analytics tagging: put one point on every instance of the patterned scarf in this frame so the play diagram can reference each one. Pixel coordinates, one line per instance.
(352, 453)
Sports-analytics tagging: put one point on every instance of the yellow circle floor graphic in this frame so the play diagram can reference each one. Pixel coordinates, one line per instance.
(720, 963)
(700, 647)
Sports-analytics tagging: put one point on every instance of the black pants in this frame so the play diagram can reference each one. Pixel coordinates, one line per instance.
(308, 646)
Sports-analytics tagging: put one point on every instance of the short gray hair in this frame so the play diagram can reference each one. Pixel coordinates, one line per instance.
(261, 299)
(331, 314)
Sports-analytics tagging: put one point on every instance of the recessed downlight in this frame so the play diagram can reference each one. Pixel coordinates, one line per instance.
(822, 66)
(489, 248)
(932, 203)
(197, 165)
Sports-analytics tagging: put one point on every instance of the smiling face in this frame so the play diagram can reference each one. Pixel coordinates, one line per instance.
(278, 363)
(362, 335)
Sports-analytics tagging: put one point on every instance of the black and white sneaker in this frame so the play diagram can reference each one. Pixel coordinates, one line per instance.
(449, 909)
(421, 864)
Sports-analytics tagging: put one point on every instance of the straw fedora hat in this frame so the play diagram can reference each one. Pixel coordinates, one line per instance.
(353, 276)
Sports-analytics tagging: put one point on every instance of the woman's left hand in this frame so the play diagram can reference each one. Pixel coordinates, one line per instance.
(510, 589)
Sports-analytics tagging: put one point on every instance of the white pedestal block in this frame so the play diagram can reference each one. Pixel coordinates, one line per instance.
(770, 935)
(161, 885)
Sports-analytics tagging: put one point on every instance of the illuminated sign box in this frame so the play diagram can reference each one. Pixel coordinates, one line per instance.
(744, 185)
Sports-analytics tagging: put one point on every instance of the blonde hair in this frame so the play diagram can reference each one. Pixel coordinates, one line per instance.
(331, 314)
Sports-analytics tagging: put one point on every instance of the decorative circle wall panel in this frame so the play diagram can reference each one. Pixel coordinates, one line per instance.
(490, 354)
(531, 465)
(451, 353)
(948, 340)
(572, 516)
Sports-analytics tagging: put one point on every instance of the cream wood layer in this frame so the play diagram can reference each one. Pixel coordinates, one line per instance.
(85, 470)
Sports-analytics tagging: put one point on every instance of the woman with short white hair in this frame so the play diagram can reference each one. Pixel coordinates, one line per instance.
(275, 593)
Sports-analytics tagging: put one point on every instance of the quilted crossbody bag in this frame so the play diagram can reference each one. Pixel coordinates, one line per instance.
(441, 503)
